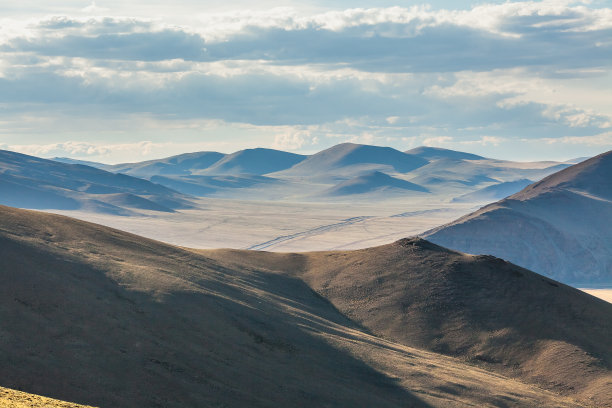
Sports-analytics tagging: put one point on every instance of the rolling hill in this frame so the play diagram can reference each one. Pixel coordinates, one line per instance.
(371, 183)
(102, 317)
(560, 226)
(32, 182)
(254, 161)
(430, 153)
(354, 159)
(182, 164)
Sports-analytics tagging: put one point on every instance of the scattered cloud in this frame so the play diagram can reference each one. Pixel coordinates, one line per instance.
(482, 76)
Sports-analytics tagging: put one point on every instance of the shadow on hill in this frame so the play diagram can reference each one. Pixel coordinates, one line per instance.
(116, 337)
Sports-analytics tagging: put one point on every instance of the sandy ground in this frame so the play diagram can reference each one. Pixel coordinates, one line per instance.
(605, 294)
(286, 227)
(17, 399)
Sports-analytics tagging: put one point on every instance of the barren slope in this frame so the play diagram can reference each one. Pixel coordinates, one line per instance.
(102, 317)
(478, 308)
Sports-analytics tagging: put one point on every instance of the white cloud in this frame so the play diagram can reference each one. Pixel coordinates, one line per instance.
(437, 140)
(294, 139)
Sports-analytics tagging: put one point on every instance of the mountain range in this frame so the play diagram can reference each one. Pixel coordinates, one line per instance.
(272, 174)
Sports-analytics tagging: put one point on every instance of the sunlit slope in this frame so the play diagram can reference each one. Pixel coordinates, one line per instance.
(18, 399)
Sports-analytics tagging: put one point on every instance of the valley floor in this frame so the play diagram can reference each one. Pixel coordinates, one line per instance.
(286, 226)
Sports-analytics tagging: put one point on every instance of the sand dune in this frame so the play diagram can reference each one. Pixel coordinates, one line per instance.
(102, 317)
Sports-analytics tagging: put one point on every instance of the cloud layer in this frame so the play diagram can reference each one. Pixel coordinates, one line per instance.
(518, 72)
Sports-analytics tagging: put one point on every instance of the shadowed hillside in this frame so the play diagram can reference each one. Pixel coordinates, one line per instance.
(560, 227)
(102, 317)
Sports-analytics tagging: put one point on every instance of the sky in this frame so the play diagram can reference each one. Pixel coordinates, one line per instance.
(117, 81)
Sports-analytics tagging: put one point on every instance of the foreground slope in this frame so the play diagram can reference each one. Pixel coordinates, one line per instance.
(102, 317)
(32, 182)
(18, 399)
(478, 308)
(560, 226)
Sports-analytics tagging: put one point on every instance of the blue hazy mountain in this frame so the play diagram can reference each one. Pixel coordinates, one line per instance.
(208, 185)
(374, 182)
(430, 153)
(68, 160)
(352, 159)
(265, 173)
(181, 164)
(257, 161)
(494, 192)
(32, 182)
(560, 226)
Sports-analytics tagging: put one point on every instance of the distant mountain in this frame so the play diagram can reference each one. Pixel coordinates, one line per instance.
(458, 176)
(442, 172)
(432, 153)
(255, 161)
(207, 185)
(577, 160)
(494, 192)
(372, 182)
(355, 159)
(560, 226)
(32, 182)
(182, 164)
(68, 160)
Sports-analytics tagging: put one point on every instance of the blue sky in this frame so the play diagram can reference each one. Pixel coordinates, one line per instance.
(113, 82)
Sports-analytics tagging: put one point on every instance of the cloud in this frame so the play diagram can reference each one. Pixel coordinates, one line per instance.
(294, 140)
(437, 140)
(520, 34)
(486, 75)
